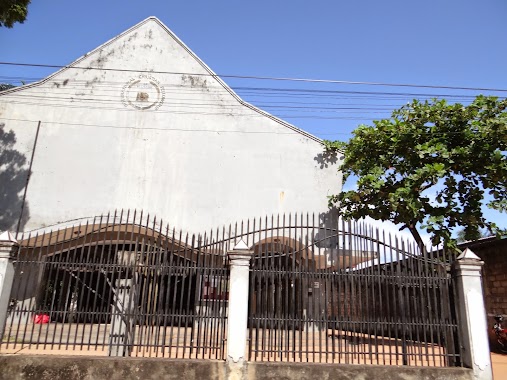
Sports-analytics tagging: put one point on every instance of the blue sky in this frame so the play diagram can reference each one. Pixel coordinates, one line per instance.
(442, 43)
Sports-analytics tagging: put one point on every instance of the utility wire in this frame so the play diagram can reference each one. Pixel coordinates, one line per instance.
(106, 95)
(286, 90)
(186, 112)
(169, 129)
(200, 105)
(109, 87)
(288, 79)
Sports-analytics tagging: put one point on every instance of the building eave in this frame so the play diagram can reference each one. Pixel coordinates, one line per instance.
(189, 51)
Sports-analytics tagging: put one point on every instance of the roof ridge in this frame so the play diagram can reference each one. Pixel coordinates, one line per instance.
(192, 54)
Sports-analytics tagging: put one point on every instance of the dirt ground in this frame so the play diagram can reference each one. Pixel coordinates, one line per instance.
(210, 342)
(313, 347)
(499, 363)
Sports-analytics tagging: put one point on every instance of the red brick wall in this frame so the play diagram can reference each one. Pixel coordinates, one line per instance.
(494, 275)
(494, 278)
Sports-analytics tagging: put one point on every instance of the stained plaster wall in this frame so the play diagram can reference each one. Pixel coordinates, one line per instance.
(197, 158)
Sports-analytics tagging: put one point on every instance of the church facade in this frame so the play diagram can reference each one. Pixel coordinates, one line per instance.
(142, 123)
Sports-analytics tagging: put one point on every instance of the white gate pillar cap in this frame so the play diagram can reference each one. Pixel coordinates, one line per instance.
(241, 246)
(468, 254)
(240, 254)
(6, 236)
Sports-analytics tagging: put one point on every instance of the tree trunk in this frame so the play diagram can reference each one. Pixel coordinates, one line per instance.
(417, 237)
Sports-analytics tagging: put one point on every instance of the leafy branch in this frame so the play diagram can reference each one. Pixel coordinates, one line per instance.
(432, 164)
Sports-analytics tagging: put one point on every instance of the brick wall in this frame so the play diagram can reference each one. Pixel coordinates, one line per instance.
(494, 278)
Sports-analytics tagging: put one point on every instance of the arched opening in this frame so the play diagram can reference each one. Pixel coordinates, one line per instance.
(74, 274)
(275, 294)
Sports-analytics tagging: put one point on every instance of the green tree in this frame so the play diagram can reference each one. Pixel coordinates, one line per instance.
(460, 236)
(12, 11)
(429, 165)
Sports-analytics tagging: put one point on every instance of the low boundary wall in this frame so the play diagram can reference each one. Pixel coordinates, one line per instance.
(41, 367)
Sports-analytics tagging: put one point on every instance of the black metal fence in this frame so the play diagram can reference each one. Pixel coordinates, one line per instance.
(326, 290)
(121, 285)
(321, 290)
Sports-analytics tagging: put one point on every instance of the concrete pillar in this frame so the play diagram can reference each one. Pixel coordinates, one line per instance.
(121, 334)
(239, 259)
(473, 327)
(8, 249)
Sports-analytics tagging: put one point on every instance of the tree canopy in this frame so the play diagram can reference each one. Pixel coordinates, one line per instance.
(12, 11)
(460, 235)
(431, 164)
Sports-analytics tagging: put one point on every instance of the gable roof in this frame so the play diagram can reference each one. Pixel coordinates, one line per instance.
(187, 49)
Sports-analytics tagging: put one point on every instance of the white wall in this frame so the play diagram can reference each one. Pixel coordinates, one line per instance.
(201, 160)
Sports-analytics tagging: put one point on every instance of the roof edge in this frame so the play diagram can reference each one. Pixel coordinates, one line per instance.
(79, 59)
(228, 89)
(189, 51)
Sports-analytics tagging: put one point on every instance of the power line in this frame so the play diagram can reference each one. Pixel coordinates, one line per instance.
(107, 96)
(295, 132)
(287, 79)
(109, 85)
(258, 91)
(75, 96)
(338, 107)
(192, 108)
(153, 128)
(186, 112)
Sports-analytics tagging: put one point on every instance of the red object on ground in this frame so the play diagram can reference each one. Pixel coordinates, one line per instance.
(41, 318)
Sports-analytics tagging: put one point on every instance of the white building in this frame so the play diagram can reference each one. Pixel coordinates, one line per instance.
(142, 123)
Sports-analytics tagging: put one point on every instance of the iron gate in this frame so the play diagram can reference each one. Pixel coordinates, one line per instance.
(326, 290)
(121, 285)
(321, 290)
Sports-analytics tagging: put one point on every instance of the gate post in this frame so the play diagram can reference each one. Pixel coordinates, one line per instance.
(122, 319)
(473, 326)
(8, 249)
(237, 310)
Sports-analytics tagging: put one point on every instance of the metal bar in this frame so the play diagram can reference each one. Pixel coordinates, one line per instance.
(189, 270)
(82, 251)
(98, 282)
(253, 329)
(394, 308)
(13, 309)
(60, 256)
(23, 267)
(37, 294)
(227, 282)
(160, 289)
(191, 311)
(292, 307)
(169, 300)
(28, 175)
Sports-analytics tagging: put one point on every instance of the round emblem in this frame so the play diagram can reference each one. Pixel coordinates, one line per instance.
(143, 92)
